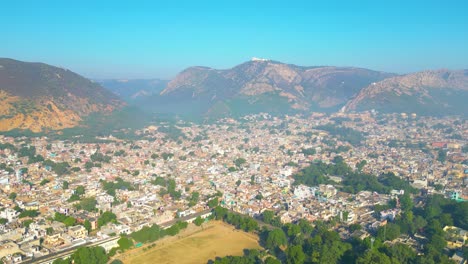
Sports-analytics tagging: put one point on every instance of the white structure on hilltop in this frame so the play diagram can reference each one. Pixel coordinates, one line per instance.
(259, 59)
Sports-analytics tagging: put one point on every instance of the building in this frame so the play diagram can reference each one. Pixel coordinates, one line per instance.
(78, 231)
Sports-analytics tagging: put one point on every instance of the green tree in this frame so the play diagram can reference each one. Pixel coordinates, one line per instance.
(125, 243)
(360, 165)
(62, 261)
(442, 155)
(28, 213)
(354, 227)
(373, 257)
(238, 182)
(198, 221)
(44, 182)
(213, 202)
(28, 222)
(12, 196)
(87, 225)
(80, 190)
(406, 202)
(85, 255)
(69, 221)
(239, 162)
(275, 238)
(267, 216)
(271, 260)
(49, 231)
(105, 218)
(388, 232)
(419, 222)
(401, 252)
(295, 255)
(87, 204)
(65, 185)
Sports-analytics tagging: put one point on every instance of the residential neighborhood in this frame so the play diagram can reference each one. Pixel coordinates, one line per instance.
(60, 194)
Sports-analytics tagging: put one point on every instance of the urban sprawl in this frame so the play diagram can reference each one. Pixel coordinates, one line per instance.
(56, 195)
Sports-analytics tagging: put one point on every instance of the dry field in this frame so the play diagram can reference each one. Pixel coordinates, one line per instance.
(195, 245)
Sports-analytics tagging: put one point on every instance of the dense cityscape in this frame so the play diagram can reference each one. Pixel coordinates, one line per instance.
(357, 174)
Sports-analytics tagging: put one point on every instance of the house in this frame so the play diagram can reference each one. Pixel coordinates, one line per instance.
(78, 231)
(9, 214)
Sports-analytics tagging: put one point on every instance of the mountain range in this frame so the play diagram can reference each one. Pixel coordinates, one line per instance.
(134, 89)
(263, 85)
(434, 92)
(40, 97)
(270, 86)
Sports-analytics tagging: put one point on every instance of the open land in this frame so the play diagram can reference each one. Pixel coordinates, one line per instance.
(196, 245)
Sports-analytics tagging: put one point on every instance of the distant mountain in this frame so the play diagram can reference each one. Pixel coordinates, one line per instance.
(263, 85)
(434, 92)
(39, 97)
(133, 89)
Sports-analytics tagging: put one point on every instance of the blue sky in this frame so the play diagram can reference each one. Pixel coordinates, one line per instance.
(146, 39)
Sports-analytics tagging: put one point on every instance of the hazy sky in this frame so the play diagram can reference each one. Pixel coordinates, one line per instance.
(146, 39)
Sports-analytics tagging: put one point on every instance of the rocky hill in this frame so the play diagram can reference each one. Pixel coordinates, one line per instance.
(435, 92)
(264, 85)
(41, 97)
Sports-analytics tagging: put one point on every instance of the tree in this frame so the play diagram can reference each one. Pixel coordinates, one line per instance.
(49, 231)
(87, 225)
(239, 162)
(65, 185)
(295, 255)
(406, 202)
(271, 260)
(465, 252)
(12, 196)
(62, 261)
(372, 257)
(28, 222)
(360, 165)
(105, 218)
(28, 213)
(442, 155)
(267, 216)
(388, 232)
(125, 243)
(194, 199)
(69, 221)
(85, 255)
(238, 182)
(305, 226)
(338, 159)
(354, 227)
(198, 221)
(401, 252)
(436, 244)
(80, 190)
(293, 230)
(213, 202)
(419, 222)
(275, 238)
(87, 204)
